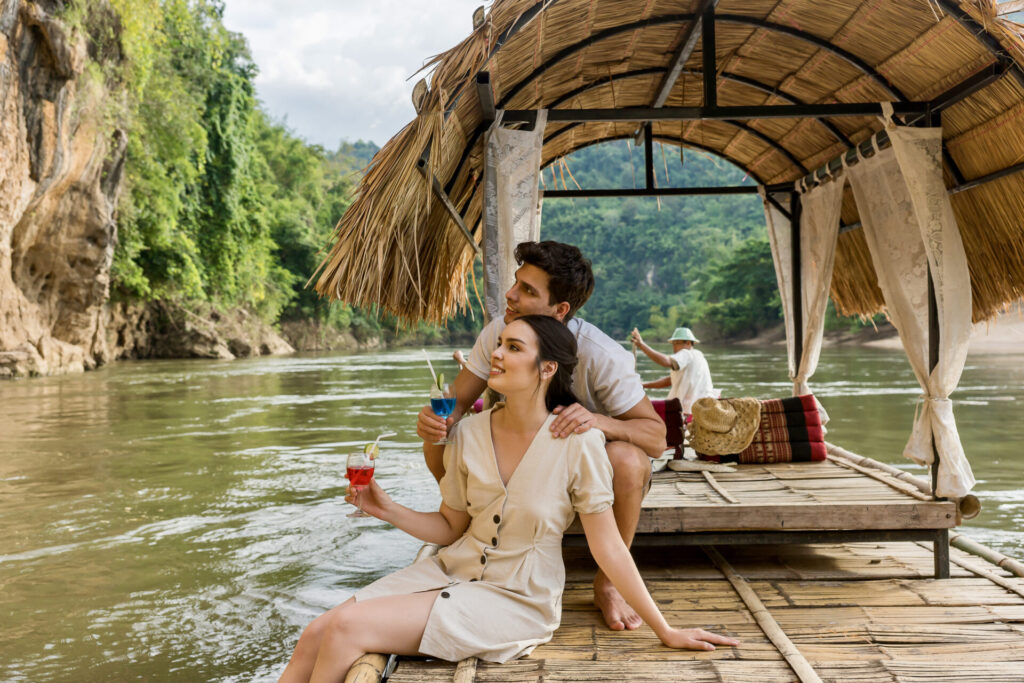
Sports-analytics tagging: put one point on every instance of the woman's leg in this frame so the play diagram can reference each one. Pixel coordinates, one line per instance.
(334, 641)
(392, 624)
(300, 666)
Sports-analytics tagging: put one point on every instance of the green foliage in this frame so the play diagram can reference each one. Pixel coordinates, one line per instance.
(851, 324)
(648, 256)
(703, 262)
(220, 203)
(738, 295)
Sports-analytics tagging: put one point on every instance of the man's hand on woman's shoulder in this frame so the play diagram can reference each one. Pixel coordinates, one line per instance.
(573, 419)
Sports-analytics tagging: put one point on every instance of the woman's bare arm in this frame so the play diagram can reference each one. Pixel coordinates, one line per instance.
(443, 527)
(614, 559)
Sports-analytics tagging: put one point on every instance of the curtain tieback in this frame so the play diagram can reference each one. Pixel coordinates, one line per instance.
(921, 398)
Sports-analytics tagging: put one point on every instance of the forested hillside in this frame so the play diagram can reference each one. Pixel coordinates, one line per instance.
(221, 205)
(699, 261)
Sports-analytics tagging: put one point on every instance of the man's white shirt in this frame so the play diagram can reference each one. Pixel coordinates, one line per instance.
(691, 378)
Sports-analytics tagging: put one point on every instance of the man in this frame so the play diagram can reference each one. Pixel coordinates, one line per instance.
(554, 279)
(689, 375)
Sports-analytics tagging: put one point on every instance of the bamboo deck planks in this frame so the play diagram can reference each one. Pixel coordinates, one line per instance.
(867, 612)
(848, 626)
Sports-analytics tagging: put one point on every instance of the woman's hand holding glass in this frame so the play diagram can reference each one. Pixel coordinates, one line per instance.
(371, 499)
(359, 472)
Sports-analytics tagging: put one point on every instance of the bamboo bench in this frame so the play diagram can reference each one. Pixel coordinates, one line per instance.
(835, 501)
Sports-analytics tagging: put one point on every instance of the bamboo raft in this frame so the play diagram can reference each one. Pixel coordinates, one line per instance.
(848, 609)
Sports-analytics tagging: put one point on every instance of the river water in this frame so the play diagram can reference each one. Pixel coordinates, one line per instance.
(183, 520)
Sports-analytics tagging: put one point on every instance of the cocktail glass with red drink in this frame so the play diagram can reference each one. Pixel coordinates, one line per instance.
(359, 472)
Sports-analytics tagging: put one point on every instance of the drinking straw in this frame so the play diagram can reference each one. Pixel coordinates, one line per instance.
(434, 374)
(383, 436)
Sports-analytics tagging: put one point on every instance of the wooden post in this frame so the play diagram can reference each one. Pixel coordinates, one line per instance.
(709, 67)
(941, 544)
(797, 309)
(649, 156)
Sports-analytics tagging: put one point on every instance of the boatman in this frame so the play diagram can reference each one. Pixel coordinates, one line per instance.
(555, 279)
(689, 375)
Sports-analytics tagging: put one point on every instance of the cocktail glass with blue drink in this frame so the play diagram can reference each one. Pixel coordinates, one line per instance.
(442, 402)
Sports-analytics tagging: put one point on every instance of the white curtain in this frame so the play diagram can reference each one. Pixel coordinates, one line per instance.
(780, 235)
(511, 215)
(819, 230)
(909, 225)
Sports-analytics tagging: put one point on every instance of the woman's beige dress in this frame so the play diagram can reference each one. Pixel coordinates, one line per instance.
(502, 581)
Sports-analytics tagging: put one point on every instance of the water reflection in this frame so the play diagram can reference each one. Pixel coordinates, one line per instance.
(183, 520)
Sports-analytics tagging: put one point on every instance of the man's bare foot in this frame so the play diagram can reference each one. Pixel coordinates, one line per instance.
(616, 611)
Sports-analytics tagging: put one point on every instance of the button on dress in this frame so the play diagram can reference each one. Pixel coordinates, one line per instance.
(504, 577)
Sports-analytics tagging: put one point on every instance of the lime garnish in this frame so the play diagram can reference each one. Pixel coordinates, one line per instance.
(440, 381)
(371, 450)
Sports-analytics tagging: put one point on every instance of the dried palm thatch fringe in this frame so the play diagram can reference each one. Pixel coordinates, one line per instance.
(397, 248)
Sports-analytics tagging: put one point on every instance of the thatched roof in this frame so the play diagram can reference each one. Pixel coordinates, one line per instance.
(398, 247)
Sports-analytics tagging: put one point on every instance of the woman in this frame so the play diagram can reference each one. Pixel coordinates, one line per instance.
(508, 493)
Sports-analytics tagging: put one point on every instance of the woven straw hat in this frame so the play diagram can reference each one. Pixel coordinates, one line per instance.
(724, 426)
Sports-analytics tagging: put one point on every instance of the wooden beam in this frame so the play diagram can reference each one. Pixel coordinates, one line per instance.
(652, 192)
(742, 112)
(435, 185)
(912, 516)
(686, 48)
(486, 95)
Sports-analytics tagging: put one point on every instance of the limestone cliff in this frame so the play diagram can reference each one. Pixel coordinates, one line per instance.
(61, 170)
(60, 173)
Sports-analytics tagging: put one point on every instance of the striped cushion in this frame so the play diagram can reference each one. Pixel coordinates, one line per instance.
(790, 431)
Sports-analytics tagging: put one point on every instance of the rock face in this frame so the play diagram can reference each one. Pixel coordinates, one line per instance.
(161, 329)
(60, 173)
(307, 335)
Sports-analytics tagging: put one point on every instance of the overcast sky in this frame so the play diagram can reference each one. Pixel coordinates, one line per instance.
(338, 69)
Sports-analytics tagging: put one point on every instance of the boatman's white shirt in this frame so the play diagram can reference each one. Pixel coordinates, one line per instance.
(605, 380)
(691, 378)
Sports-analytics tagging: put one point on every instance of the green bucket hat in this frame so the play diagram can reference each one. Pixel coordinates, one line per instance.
(683, 334)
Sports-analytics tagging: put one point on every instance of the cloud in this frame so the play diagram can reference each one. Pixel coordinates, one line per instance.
(340, 70)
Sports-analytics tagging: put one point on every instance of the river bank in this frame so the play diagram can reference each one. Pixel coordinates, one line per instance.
(1002, 335)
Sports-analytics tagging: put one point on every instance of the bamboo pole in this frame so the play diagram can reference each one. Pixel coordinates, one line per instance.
(902, 487)
(719, 489)
(984, 573)
(969, 506)
(801, 667)
(367, 669)
(973, 547)
(465, 672)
